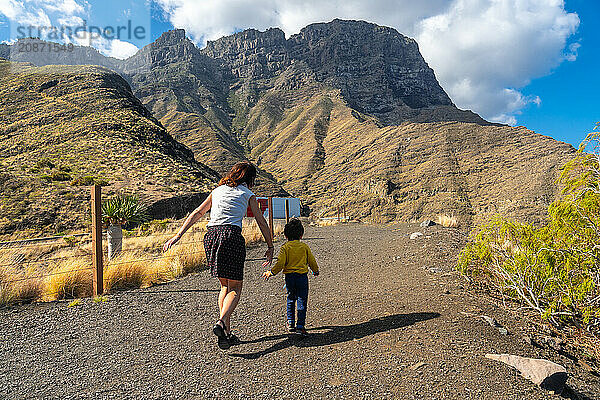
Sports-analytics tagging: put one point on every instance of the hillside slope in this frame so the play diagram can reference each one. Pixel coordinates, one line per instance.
(64, 127)
(333, 155)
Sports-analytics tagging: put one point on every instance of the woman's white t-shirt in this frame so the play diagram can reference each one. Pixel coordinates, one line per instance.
(229, 205)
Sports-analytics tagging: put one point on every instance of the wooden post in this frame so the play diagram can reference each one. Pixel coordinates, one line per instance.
(338, 213)
(98, 273)
(287, 211)
(344, 213)
(270, 205)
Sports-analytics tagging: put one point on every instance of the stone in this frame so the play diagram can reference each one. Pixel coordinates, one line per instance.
(427, 223)
(544, 373)
(415, 235)
(417, 366)
(553, 342)
(491, 321)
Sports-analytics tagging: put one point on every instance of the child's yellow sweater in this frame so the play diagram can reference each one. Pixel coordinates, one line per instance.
(295, 256)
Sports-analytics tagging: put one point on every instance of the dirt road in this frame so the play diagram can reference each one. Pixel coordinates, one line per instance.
(388, 318)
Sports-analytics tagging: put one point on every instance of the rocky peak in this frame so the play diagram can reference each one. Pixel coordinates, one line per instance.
(170, 37)
(380, 71)
(252, 54)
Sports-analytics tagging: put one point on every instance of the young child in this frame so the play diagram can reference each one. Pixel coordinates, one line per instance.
(294, 259)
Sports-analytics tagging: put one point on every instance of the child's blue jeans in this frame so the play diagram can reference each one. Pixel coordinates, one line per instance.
(297, 291)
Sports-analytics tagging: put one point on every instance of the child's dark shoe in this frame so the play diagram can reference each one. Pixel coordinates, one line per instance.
(290, 327)
(301, 332)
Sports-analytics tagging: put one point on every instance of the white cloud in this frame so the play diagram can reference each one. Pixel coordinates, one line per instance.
(495, 47)
(68, 7)
(16, 11)
(11, 9)
(571, 54)
(70, 13)
(483, 51)
(112, 48)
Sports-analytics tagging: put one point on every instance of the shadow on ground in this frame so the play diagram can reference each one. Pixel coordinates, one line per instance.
(336, 334)
(572, 394)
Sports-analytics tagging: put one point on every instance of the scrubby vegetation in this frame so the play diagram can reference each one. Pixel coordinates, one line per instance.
(553, 269)
(67, 268)
(85, 129)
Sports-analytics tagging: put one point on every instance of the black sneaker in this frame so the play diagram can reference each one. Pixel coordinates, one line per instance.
(301, 332)
(290, 327)
(219, 330)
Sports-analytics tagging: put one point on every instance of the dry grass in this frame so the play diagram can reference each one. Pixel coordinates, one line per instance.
(7, 289)
(141, 264)
(252, 233)
(30, 289)
(70, 279)
(19, 286)
(448, 221)
(125, 272)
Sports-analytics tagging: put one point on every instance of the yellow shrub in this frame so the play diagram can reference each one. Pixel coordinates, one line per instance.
(29, 290)
(71, 278)
(7, 290)
(126, 272)
(327, 222)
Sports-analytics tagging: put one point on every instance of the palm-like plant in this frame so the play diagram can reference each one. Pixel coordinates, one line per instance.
(118, 211)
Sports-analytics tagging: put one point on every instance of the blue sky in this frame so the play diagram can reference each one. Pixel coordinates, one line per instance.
(570, 95)
(549, 85)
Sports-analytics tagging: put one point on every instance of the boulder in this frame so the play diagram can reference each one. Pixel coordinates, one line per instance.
(427, 223)
(416, 235)
(547, 374)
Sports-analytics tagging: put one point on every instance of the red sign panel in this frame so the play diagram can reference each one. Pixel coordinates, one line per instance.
(263, 204)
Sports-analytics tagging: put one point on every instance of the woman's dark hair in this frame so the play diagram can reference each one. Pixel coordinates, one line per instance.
(293, 230)
(242, 172)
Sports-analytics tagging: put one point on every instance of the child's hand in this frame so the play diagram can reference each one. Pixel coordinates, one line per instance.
(266, 275)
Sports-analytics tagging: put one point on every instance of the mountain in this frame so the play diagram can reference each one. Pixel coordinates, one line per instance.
(65, 127)
(345, 112)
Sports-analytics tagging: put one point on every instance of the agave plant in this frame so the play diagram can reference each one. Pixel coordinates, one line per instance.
(118, 211)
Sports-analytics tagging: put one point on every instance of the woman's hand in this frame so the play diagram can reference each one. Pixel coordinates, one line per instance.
(170, 243)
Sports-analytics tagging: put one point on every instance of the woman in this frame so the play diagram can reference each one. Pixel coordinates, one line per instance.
(224, 244)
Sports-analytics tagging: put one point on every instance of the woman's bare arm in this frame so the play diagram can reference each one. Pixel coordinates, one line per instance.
(263, 226)
(190, 220)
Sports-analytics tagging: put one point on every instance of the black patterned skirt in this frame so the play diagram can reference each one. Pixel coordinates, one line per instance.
(225, 249)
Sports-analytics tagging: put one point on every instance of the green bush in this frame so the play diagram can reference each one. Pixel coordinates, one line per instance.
(83, 181)
(124, 210)
(61, 176)
(553, 269)
(88, 181)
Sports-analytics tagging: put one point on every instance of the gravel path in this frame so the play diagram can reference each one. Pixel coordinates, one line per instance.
(388, 319)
